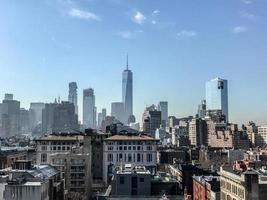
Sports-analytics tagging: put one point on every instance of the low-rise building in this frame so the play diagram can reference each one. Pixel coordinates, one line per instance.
(56, 143)
(243, 185)
(184, 175)
(170, 156)
(41, 182)
(71, 154)
(9, 156)
(127, 148)
(131, 181)
(75, 168)
(206, 188)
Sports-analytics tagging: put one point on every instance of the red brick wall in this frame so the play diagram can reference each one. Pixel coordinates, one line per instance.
(198, 191)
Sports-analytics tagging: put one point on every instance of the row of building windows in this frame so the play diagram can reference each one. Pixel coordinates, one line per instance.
(226, 197)
(56, 148)
(129, 148)
(56, 143)
(130, 143)
(233, 188)
(129, 157)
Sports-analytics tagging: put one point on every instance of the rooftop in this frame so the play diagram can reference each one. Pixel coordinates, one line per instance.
(61, 138)
(29, 183)
(131, 137)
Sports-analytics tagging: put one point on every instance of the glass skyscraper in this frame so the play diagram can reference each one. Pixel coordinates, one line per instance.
(217, 95)
(127, 91)
(163, 107)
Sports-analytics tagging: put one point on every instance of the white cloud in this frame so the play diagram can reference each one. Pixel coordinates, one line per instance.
(183, 34)
(240, 29)
(139, 18)
(129, 34)
(156, 12)
(82, 14)
(154, 16)
(247, 1)
(248, 15)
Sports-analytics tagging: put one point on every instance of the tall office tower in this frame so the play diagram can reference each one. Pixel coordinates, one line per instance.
(10, 117)
(94, 119)
(151, 120)
(36, 109)
(201, 111)
(117, 111)
(8, 96)
(59, 117)
(89, 108)
(217, 96)
(24, 121)
(104, 113)
(48, 117)
(65, 118)
(127, 91)
(163, 107)
(101, 116)
(73, 95)
(99, 119)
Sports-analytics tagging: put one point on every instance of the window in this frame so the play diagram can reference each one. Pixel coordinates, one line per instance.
(149, 148)
(142, 180)
(121, 180)
(110, 157)
(138, 157)
(44, 148)
(43, 157)
(129, 148)
(120, 157)
(125, 148)
(149, 157)
(129, 157)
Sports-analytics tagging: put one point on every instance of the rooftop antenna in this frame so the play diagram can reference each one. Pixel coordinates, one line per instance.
(127, 66)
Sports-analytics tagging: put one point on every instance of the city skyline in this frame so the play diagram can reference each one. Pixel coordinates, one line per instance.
(187, 54)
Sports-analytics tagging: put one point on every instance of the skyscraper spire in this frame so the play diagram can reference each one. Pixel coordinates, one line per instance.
(127, 66)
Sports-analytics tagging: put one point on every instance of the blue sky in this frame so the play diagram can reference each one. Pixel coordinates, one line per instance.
(174, 47)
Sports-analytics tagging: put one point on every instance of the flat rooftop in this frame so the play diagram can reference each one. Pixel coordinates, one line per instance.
(61, 138)
(130, 137)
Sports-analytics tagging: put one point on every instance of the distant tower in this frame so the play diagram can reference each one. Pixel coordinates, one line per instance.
(101, 116)
(217, 96)
(73, 95)
(117, 111)
(89, 109)
(127, 91)
(202, 109)
(163, 107)
(8, 96)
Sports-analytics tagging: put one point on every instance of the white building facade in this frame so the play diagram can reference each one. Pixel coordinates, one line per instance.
(128, 149)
